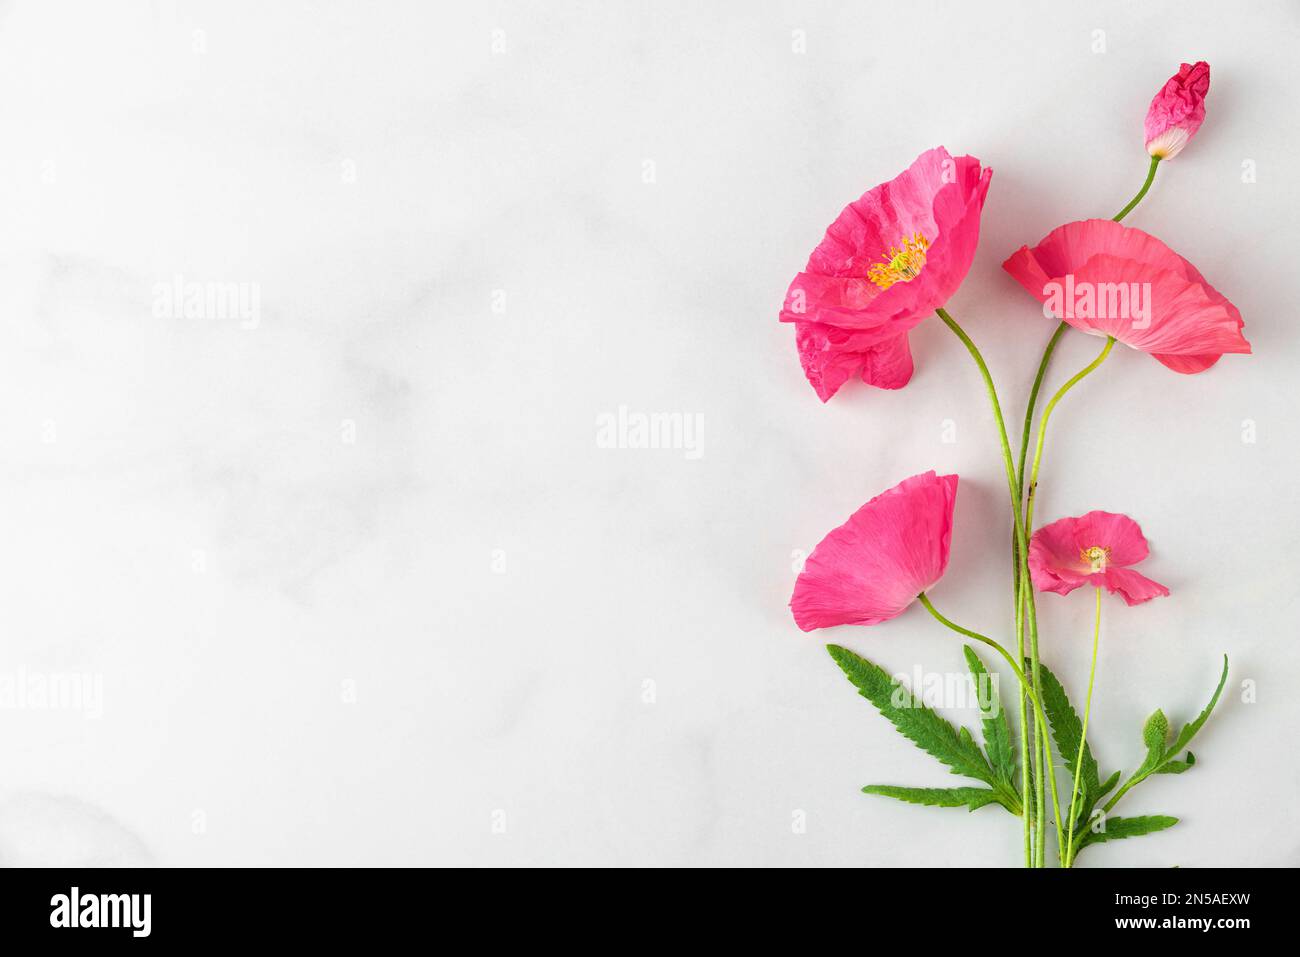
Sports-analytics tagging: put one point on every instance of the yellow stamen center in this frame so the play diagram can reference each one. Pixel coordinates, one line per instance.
(900, 265)
(1096, 557)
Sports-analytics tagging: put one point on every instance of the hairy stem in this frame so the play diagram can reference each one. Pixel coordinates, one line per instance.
(1040, 717)
(1024, 712)
(1018, 583)
(1030, 611)
(1013, 487)
(1070, 849)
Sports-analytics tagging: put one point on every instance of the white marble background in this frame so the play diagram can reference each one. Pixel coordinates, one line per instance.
(355, 580)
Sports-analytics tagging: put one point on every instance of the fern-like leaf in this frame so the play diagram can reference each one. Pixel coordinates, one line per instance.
(1066, 730)
(1108, 785)
(1155, 735)
(1177, 767)
(997, 729)
(1188, 732)
(972, 798)
(1119, 828)
(919, 724)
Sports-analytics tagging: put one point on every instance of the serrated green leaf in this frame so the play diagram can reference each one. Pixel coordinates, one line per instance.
(1090, 801)
(997, 729)
(1167, 762)
(1066, 730)
(972, 798)
(916, 722)
(1189, 730)
(1175, 766)
(1119, 828)
(1108, 785)
(1155, 735)
(967, 739)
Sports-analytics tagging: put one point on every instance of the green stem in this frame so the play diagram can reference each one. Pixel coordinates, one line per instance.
(1031, 613)
(1151, 175)
(1050, 770)
(1025, 611)
(1033, 401)
(1014, 488)
(1019, 582)
(1138, 776)
(1024, 720)
(1135, 779)
(1060, 329)
(1083, 735)
(1042, 368)
(1047, 414)
(1040, 717)
(1056, 336)
(1015, 564)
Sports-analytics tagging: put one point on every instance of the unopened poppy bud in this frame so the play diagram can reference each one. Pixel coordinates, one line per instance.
(1177, 111)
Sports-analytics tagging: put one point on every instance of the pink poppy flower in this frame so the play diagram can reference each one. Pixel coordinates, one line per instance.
(1113, 280)
(889, 260)
(1094, 549)
(1177, 111)
(874, 565)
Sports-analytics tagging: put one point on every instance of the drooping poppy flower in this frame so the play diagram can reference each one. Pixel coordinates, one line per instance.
(1094, 549)
(889, 260)
(1177, 111)
(874, 565)
(1113, 280)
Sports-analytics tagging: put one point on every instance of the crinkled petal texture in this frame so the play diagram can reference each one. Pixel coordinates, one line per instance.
(831, 356)
(874, 565)
(1088, 271)
(940, 197)
(1177, 111)
(1059, 562)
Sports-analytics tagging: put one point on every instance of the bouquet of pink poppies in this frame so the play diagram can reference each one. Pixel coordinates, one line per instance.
(894, 257)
